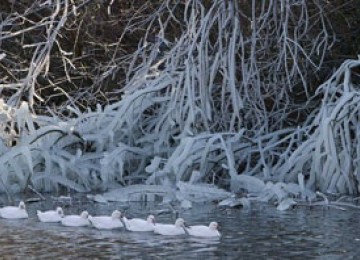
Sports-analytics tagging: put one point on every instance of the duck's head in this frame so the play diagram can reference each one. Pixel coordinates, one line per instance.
(60, 211)
(22, 205)
(151, 219)
(84, 214)
(116, 214)
(180, 222)
(214, 225)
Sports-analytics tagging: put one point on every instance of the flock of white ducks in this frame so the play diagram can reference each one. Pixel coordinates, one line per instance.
(116, 220)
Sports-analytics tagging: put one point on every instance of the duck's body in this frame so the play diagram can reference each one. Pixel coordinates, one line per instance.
(76, 220)
(170, 229)
(51, 216)
(204, 231)
(107, 222)
(11, 212)
(140, 225)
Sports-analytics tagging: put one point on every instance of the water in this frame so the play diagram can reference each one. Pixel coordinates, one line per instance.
(261, 232)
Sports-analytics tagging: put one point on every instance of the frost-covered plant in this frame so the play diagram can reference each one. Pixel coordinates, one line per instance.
(209, 97)
(7, 134)
(329, 157)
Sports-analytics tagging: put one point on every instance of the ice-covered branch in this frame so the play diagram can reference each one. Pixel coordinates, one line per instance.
(190, 92)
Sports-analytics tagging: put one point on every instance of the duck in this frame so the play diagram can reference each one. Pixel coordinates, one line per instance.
(51, 216)
(12, 212)
(76, 220)
(107, 222)
(204, 231)
(170, 229)
(140, 225)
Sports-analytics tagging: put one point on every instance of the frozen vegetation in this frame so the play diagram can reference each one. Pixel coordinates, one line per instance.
(217, 98)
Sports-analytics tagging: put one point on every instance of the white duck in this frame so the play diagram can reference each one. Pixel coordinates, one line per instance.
(204, 231)
(169, 229)
(76, 220)
(51, 215)
(107, 222)
(12, 212)
(138, 224)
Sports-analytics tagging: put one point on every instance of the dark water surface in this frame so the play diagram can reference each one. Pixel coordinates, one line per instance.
(260, 232)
